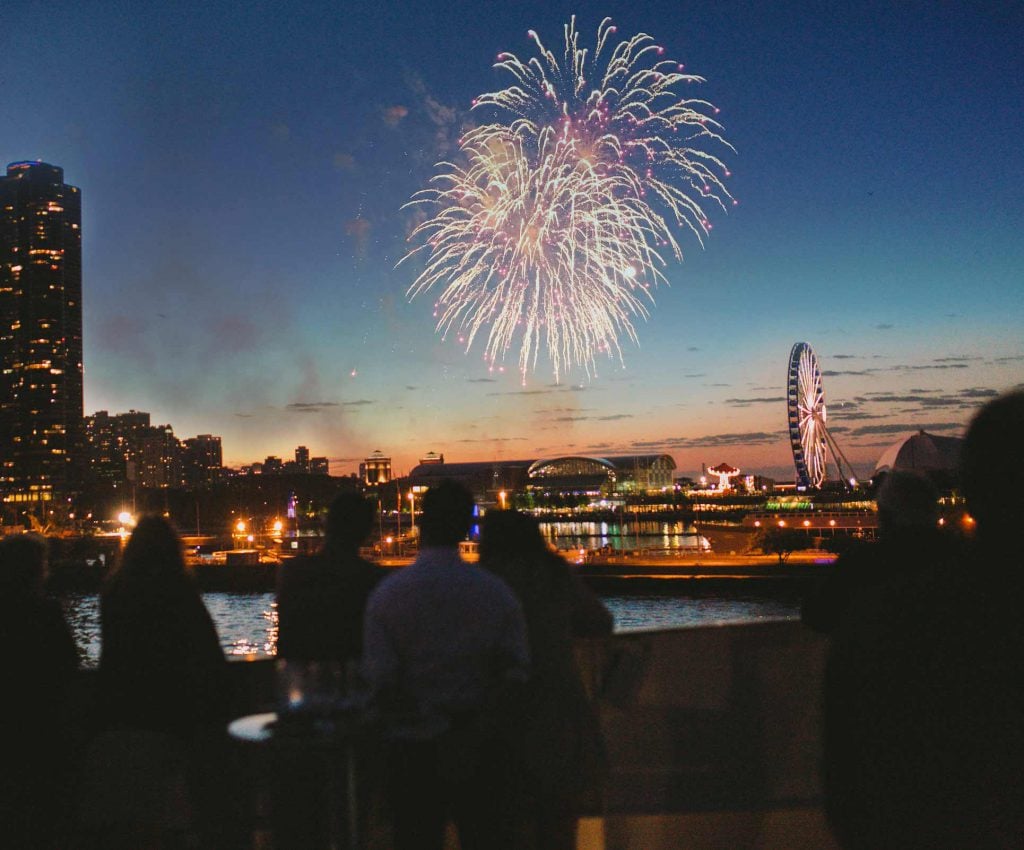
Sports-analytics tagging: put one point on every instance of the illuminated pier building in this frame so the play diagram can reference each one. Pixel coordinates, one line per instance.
(573, 474)
(376, 469)
(40, 334)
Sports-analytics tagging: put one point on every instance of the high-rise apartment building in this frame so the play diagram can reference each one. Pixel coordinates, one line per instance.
(40, 333)
(203, 460)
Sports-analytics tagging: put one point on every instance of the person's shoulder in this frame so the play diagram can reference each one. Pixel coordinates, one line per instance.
(390, 583)
(491, 584)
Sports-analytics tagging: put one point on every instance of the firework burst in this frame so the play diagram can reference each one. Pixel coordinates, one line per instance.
(552, 230)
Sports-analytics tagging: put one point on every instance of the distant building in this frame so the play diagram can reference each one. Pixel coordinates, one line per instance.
(124, 448)
(272, 465)
(106, 448)
(614, 474)
(319, 466)
(41, 441)
(431, 457)
(576, 474)
(935, 456)
(376, 469)
(202, 460)
(302, 459)
(484, 479)
(157, 458)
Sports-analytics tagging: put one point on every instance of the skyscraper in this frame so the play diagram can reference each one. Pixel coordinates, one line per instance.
(40, 334)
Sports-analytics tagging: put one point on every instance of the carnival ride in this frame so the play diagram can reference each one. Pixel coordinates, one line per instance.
(808, 432)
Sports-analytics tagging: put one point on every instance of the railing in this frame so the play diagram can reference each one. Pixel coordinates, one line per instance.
(712, 733)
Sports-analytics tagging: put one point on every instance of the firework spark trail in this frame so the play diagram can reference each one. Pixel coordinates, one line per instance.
(552, 228)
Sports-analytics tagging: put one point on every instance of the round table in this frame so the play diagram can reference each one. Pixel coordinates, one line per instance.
(332, 738)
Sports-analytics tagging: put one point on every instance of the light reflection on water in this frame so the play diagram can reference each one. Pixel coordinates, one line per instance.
(247, 623)
(667, 612)
(619, 536)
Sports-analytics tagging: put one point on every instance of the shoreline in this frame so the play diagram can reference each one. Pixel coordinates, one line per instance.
(616, 572)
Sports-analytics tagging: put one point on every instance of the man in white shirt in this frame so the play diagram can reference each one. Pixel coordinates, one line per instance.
(445, 651)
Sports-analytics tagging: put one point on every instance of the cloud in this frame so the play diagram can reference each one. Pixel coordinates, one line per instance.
(899, 428)
(234, 335)
(359, 403)
(408, 387)
(310, 406)
(696, 375)
(245, 415)
(693, 348)
(834, 373)
(885, 326)
(442, 117)
(491, 440)
(393, 115)
(358, 229)
(522, 392)
(745, 402)
(614, 417)
(280, 131)
(963, 358)
(855, 415)
(712, 441)
(965, 399)
(844, 356)
(481, 380)
(343, 161)
(1013, 358)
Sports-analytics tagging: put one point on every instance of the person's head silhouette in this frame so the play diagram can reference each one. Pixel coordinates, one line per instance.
(447, 514)
(349, 519)
(153, 552)
(510, 534)
(22, 565)
(992, 466)
(908, 501)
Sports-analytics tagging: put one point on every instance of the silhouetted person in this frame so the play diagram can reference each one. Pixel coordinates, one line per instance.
(924, 713)
(321, 601)
(445, 654)
(560, 757)
(40, 660)
(163, 688)
(909, 540)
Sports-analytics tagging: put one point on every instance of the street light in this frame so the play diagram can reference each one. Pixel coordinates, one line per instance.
(502, 496)
(412, 514)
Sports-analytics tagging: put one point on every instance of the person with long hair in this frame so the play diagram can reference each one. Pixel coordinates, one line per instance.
(561, 757)
(163, 697)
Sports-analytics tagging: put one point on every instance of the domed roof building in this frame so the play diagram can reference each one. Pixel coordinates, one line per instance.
(936, 456)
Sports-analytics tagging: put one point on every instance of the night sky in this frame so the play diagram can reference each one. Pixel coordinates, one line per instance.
(243, 169)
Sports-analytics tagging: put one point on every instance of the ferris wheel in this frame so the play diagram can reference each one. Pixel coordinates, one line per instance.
(808, 433)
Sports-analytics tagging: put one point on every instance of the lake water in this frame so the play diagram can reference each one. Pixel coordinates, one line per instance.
(247, 623)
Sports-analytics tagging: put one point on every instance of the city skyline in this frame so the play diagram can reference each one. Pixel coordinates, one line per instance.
(243, 176)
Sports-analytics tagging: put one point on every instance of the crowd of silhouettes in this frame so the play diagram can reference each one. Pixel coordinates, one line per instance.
(470, 674)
